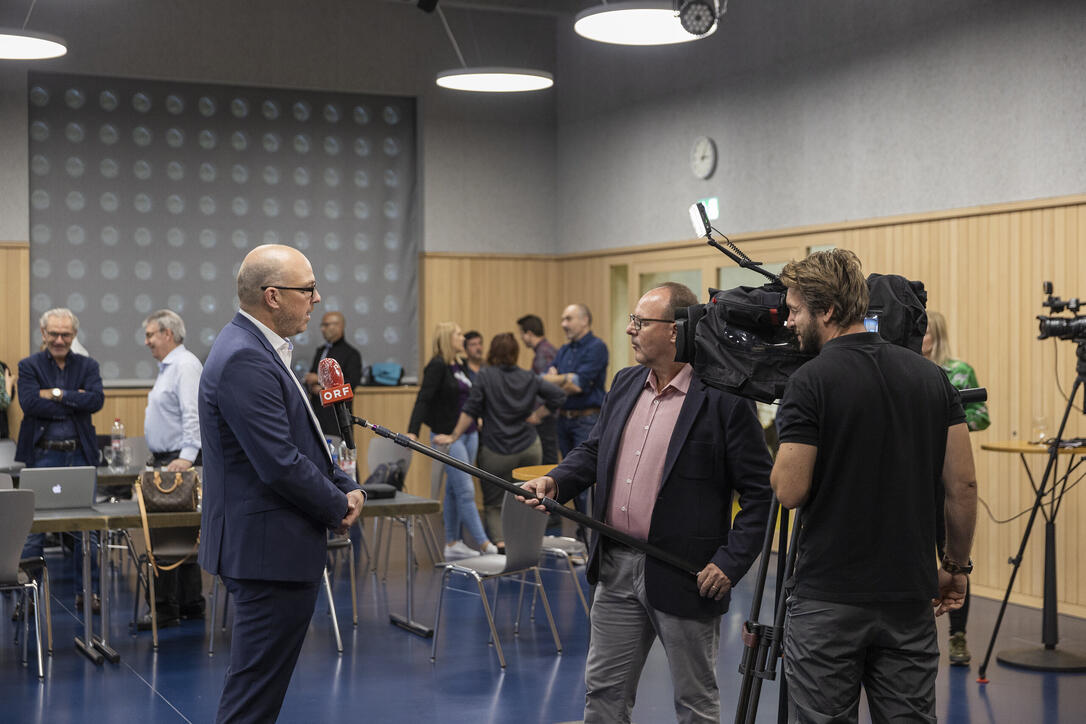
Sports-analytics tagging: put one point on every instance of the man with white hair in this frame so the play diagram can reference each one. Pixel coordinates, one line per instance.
(171, 425)
(59, 391)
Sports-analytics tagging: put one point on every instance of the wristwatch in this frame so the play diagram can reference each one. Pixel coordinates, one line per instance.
(57, 393)
(954, 568)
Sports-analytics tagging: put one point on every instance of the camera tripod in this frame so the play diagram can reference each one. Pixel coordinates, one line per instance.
(1053, 486)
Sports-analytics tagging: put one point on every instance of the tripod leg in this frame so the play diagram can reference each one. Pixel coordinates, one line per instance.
(751, 640)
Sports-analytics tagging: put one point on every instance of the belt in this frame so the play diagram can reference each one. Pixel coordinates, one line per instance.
(585, 412)
(59, 445)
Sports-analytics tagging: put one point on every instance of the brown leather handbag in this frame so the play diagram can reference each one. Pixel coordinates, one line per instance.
(166, 492)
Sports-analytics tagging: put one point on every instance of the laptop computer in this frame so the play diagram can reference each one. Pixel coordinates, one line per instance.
(60, 488)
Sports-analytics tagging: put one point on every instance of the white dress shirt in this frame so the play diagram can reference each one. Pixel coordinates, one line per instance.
(172, 420)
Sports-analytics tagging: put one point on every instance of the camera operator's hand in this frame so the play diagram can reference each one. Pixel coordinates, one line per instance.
(712, 583)
(951, 592)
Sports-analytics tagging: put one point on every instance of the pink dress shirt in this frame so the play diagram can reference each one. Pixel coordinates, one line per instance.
(639, 468)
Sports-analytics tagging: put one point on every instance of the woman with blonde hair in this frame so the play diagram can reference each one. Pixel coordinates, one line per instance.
(444, 389)
(936, 347)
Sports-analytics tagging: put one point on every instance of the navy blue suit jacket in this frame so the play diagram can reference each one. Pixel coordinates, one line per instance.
(271, 492)
(717, 446)
(36, 373)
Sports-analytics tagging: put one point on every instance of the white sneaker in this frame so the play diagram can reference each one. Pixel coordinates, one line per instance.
(459, 550)
(490, 549)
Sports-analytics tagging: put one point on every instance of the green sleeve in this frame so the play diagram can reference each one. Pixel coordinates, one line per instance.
(963, 377)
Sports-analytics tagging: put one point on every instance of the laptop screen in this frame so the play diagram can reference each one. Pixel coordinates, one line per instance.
(56, 488)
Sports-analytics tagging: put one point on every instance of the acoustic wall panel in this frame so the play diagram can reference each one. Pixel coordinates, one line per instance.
(148, 194)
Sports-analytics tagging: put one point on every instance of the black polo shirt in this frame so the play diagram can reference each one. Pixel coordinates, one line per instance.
(878, 414)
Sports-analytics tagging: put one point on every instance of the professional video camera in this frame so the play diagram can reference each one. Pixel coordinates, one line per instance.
(738, 342)
(1073, 328)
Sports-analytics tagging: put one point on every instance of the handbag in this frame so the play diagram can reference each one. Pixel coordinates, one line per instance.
(165, 492)
(177, 493)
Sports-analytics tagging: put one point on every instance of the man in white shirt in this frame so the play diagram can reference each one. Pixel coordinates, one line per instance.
(172, 427)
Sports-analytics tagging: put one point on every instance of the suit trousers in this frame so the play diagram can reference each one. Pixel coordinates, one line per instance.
(624, 627)
(270, 622)
(831, 648)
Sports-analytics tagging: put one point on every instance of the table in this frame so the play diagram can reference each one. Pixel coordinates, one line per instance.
(531, 472)
(1048, 499)
(405, 507)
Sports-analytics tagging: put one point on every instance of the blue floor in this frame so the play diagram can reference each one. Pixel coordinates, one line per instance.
(385, 674)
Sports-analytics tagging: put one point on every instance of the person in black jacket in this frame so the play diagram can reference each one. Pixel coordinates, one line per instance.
(445, 388)
(504, 396)
(350, 361)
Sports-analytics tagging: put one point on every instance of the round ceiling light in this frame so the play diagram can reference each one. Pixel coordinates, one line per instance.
(495, 80)
(29, 45)
(635, 23)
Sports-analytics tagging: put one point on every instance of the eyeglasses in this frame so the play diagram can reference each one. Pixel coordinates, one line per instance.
(304, 290)
(60, 335)
(639, 322)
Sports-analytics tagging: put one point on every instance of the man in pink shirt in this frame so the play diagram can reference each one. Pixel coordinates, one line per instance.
(665, 457)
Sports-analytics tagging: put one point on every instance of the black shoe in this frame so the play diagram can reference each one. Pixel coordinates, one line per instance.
(192, 614)
(144, 624)
(17, 614)
(96, 603)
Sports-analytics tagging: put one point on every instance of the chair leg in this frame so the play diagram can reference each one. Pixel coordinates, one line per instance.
(26, 620)
(46, 594)
(490, 619)
(429, 537)
(437, 613)
(547, 608)
(378, 529)
(154, 609)
(354, 585)
(37, 625)
(388, 548)
(332, 610)
(520, 604)
(577, 585)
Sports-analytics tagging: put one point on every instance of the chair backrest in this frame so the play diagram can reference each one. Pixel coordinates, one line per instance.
(6, 483)
(383, 450)
(16, 517)
(138, 452)
(7, 452)
(523, 528)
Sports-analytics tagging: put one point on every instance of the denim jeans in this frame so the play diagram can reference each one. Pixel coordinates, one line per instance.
(35, 542)
(572, 431)
(459, 508)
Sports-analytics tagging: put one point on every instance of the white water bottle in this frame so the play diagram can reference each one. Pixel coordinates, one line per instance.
(117, 447)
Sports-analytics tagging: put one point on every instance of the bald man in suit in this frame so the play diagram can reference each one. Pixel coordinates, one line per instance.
(271, 492)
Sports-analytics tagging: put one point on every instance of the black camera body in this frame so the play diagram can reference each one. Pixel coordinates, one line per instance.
(738, 342)
(1073, 328)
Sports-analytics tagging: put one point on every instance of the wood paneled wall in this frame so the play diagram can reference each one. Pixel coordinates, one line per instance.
(982, 267)
(14, 314)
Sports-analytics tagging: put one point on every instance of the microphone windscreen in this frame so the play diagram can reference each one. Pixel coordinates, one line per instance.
(329, 373)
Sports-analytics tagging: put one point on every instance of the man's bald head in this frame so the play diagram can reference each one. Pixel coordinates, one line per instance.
(276, 285)
(266, 265)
